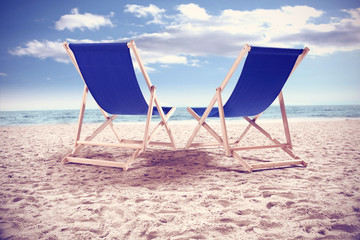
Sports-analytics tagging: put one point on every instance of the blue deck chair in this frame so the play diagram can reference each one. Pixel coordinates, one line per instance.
(261, 81)
(108, 73)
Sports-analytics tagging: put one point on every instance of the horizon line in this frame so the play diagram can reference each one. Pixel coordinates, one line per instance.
(94, 108)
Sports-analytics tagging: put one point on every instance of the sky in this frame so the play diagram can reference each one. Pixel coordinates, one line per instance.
(187, 46)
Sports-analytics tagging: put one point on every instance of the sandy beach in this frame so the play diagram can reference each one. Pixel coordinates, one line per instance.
(194, 194)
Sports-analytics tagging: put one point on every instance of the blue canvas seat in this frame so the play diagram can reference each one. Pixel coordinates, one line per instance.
(108, 73)
(262, 78)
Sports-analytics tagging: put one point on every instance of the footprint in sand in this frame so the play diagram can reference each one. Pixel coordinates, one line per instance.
(17, 199)
(344, 228)
(244, 212)
(269, 225)
(151, 235)
(271, 204)
(240, 223)
(45, 187)
(224, 203)
(267, 194)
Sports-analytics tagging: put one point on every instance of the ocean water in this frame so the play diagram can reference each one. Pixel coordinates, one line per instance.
(8, 118)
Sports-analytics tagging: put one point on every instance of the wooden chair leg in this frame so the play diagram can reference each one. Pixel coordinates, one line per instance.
(148, 119)
(223, 124)
(285, 121)
(168, 115)
(164, 122)
(201, 121)
(81, 114)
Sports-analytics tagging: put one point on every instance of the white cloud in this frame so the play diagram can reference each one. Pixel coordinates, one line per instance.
(82, 21)
(3, 74)
(43, 50)
(48, 49)
(55, 50)
(150, 57)
(193, 11)
(142, 11)
(326, 38)
(193, 33)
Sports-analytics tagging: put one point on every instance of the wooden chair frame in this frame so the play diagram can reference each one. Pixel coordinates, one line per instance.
(139, 146)
(232, 148)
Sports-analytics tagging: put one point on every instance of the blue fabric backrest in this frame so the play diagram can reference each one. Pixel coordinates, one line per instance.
(108, 72)
(263, 76)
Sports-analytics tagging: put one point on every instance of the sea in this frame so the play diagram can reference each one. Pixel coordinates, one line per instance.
(14, 118)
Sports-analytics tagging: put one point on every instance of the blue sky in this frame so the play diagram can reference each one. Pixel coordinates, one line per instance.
(187, 46)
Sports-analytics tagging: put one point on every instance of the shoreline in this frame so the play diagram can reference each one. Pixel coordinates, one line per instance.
(294, 113)
(194, 122)
(194, 194)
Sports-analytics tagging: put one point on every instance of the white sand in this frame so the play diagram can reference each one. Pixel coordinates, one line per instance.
(197, 194)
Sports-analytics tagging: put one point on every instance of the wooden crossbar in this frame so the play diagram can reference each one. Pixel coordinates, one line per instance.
(119, 145)
(96, 162)
(214, 144)
(278, 164)
(259, 147)
(257, 166)
(105, 163)
(161, 144)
